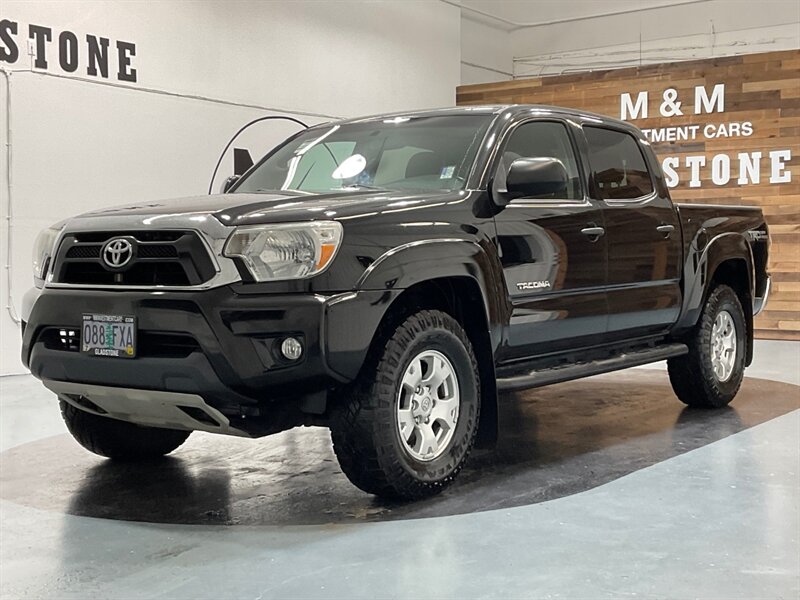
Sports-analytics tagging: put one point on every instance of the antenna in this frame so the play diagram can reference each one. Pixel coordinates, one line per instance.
(253, 122)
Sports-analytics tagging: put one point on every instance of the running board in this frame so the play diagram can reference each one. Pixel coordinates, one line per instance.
(587, 369)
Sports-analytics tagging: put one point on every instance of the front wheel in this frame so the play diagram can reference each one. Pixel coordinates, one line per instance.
(405, 428)
(710, 375)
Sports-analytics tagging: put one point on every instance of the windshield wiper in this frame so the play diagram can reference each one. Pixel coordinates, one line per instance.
(361, 186)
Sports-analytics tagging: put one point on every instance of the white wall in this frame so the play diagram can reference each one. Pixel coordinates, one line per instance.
(486, 53)
(80, 144)
(505, 39)
(673, 33)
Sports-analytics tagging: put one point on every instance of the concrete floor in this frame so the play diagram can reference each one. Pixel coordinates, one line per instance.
(603, 488)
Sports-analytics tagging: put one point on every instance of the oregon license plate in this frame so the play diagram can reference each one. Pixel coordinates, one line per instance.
(109, 335)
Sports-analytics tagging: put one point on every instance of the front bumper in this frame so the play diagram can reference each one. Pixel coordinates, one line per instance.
(214, 344)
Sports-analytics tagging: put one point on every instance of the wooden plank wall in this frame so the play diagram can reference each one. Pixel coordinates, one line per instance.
(760, 89)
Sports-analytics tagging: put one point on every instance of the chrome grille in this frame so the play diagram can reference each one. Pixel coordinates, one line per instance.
(159, 258)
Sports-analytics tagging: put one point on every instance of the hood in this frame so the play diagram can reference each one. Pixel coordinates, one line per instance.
(260, 208)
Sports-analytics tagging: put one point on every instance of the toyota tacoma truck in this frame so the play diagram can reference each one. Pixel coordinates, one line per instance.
(388, 277)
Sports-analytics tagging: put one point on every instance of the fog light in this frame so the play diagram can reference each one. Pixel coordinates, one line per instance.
(291, 348)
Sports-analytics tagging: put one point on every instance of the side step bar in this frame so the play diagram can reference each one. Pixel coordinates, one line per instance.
(587, 369)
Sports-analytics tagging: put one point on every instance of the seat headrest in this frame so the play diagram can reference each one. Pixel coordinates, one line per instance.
(424, 163)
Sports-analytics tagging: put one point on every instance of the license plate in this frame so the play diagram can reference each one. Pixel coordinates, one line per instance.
(109, 335)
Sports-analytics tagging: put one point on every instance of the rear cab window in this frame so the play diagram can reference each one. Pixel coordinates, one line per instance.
(620, 170)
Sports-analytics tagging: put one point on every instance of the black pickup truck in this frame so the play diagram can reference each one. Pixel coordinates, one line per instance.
(387, 277)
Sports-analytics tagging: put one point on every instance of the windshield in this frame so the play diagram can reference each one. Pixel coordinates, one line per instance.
(402, 153)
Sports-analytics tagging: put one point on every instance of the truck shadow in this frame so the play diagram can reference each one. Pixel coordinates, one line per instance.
(555, 441)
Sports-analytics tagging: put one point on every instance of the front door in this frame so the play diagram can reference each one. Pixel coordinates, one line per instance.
(553, 252)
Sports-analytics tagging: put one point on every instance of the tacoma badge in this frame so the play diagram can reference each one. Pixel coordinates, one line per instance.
(532, 285)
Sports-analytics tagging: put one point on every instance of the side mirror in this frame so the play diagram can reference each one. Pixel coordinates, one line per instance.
(228, 183)
(530, 177)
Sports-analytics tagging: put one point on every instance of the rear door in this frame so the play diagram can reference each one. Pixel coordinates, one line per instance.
(552, 249)
(642, 231)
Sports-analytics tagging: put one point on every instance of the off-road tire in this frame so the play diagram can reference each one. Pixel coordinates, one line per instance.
(117, 439)
(692, 375)
(364, 423)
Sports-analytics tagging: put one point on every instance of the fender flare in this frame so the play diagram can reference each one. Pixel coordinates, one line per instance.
(700, 268)
(437, 258)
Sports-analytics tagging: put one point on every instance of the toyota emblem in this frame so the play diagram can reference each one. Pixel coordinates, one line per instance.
(117, 253)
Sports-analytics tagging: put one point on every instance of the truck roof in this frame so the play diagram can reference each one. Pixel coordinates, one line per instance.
(498, 109)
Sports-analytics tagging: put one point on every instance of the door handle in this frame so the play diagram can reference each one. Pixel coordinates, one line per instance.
(593, 231)
(666, 230)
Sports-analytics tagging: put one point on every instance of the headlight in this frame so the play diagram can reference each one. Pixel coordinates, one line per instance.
(43, 252)
(290, 251)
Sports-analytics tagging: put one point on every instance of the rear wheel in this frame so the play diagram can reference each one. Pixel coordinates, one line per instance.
(710, 375)
(117, 439)
(405, 428)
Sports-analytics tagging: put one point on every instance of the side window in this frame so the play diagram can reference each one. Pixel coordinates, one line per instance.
(620, 172)
(540, 139)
